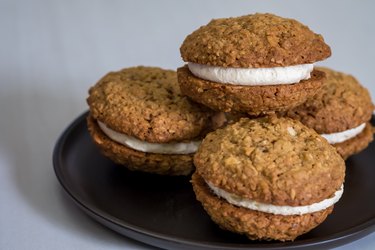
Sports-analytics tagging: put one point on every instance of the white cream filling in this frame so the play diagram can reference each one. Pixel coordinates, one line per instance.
(158, 148)
(344, 135)
(274, 209)
(252, 76)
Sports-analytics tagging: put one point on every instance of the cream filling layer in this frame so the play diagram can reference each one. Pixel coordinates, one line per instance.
(344, 135)
(147, 147)
(275, 209)
(252, 76)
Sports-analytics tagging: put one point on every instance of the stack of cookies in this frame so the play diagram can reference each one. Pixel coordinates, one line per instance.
(250, 114)
(253, 64)
(268, 178)
(139, 118)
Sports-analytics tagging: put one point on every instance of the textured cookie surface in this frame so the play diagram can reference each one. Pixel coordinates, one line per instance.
(146, 103)
(248, 99)
(271, 160)
(254, 41)
(139, 161)
(341, 104)
(254, 224)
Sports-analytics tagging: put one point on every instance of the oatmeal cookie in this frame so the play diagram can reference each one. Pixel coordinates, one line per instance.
(254, 64)
(342, 104)
(274, 168)
(139, 118)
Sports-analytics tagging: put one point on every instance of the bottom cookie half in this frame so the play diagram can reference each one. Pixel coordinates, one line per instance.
(356, 144)
(254, 224)
(164, 164)
(254, 100)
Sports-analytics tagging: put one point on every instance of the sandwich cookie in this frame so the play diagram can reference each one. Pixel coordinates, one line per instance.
(139, 118)
(268, 178)
(252, 64)
(341, 112)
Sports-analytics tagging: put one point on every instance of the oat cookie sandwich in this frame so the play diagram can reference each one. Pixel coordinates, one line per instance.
(268, 178)
(340, 111)
(255, 64)
(139, 118)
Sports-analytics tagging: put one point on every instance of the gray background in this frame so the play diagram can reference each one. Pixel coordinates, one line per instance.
(52, 51)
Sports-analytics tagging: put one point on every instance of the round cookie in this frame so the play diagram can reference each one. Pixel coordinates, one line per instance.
(284, 170)
(252, 64)
(139, 118)
(340, 105)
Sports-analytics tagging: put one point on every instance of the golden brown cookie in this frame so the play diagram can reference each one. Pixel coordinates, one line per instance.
(253, 100)
(254, 224)
(146, 102)
(275, 162)
(139, 118)
(252, 64)
(340, 105)
(254, 41)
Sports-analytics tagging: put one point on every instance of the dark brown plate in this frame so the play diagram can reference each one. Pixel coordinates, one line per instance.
(162, 211)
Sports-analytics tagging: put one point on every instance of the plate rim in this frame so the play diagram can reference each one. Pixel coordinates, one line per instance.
(342, 237)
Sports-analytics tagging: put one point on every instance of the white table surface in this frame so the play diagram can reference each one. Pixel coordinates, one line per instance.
(52, 51)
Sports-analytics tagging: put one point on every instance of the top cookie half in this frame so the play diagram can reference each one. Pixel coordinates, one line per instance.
(254, 41)
(270, 160)
(341, 104)
(146, 103)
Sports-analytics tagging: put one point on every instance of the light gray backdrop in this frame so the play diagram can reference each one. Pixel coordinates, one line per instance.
(52, 51)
